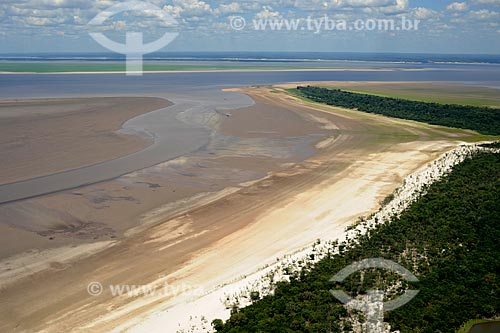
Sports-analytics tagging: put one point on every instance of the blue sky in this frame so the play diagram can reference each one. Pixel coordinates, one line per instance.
(472, 26)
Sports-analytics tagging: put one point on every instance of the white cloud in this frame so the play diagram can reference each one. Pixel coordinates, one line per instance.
(457, 7)
(484, 14)
(42, 21)
(231, 8)
(485, 18)
(487, 2)
(174, 11)
(14, 11)
(193, 7)
(70, 17)
(344, 5)
(81, 4)
(267, 13)
(367, 3)
(422, 13)
(396, 7)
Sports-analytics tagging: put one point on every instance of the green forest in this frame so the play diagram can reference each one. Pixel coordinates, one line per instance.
(449, 238)
(481, 119)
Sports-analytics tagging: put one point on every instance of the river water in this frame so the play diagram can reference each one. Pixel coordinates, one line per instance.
(180, 129)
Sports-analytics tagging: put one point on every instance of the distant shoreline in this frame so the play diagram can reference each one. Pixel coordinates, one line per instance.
(269, 56)
(232, 71)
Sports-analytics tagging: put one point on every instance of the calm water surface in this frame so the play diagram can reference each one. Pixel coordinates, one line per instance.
(192, 93)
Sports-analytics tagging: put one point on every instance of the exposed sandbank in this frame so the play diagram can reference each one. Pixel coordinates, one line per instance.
(39, 137)
(239, 224)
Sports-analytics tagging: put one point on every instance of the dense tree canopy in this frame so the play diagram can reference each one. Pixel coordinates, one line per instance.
(449, 238)
(494, 145)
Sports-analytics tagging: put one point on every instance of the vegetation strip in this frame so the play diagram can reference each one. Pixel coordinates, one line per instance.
(448, 238)
(481, 119)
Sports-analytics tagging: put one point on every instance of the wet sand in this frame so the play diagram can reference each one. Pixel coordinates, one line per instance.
(172, 138)
(206, 218)
(43, 137)
(239, 151)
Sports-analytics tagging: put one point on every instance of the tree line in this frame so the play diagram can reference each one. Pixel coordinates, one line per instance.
(448, 238)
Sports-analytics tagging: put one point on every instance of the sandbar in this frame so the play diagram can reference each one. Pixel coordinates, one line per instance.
(262, 188)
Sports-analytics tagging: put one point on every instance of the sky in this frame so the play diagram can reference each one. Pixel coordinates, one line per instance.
(471, 26)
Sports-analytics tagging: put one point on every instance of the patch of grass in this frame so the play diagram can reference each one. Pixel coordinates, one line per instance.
(480, 119)
(48, 67)
(436, 98)
(468, 325)
(475, 96)
(464, 135)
